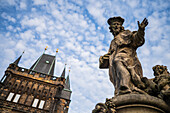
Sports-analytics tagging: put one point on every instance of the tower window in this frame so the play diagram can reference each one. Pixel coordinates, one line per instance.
(32, 72)
(35, 103)
(53, 78)
(42, 75)
(41, 104)
(16, 98)
(10, 96)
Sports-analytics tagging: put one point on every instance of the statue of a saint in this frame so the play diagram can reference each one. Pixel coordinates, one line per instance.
(125, 70)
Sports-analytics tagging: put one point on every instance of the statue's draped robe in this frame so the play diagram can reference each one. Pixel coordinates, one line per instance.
(124, 66)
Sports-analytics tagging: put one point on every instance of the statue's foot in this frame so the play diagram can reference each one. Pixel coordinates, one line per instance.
(124, 91)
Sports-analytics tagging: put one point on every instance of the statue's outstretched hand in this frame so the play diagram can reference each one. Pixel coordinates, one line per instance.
(143, 24)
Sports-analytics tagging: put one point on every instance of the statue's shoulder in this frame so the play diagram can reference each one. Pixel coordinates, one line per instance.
(127, 32)
(130, 32)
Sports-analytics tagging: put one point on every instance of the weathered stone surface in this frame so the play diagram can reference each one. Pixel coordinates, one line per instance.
(134, 103)
(140, 99)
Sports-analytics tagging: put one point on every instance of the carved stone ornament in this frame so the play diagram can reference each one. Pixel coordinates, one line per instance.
(107, 107)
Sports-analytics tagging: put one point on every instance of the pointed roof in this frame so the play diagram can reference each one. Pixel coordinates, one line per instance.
(63, 73)
(16, 62)
(44, 64)
(67, 82)
(66, 92)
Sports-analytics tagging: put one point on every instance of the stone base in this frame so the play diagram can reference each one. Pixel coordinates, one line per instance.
(138, 108)
(139, 103)
(133, 103)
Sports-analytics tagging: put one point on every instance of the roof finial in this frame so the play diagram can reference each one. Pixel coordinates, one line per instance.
(45, 48)
(23, 52)
(57, 50)
(69, 69)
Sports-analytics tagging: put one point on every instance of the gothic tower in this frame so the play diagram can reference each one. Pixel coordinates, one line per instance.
(34, 90)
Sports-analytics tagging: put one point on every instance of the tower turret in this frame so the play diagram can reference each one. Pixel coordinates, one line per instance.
(16, 62)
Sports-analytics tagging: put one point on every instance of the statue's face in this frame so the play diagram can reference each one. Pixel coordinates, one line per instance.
(115, 28)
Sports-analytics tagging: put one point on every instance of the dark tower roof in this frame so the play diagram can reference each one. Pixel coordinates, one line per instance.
(66, 92)
(16, 62)
(63, 73)
(67, 83)
(44, 64)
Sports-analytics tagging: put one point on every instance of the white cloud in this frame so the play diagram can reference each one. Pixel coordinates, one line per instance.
(9, 18)
(27, 35)
(21, 45)
(10, 27)
(23, 5)
(96, 10)
(40, 2)
(8, 2)
(55, 41)
(133, 3)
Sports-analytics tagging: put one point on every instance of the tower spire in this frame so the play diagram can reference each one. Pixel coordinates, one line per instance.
(16, 62)
(63, 73)
(68, 81)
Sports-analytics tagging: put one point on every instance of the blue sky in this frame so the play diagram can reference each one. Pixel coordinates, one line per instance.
(79, 29)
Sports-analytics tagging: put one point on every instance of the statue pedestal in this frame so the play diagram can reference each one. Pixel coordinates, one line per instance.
(139, 103)
(133, 103)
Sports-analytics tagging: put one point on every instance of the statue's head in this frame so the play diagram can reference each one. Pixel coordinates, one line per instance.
(160, 69)
(116, 25)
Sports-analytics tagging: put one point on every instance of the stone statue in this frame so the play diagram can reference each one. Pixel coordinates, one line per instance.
(125, 70)
(133, 92)
(162, 79)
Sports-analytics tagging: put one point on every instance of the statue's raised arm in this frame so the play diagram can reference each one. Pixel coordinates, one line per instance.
(138, 37)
